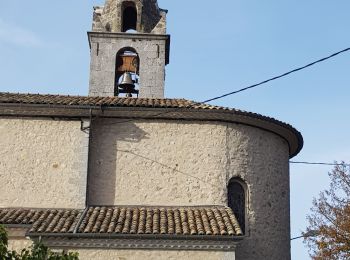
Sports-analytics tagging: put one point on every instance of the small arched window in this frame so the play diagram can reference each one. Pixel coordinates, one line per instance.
(129, 17)
(237, 201)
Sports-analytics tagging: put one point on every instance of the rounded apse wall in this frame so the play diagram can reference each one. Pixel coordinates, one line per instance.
(177, 162)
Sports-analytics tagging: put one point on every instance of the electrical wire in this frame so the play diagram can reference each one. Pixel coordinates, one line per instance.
(254, 86)
(278, 77)
(251, 86)
(321, 163)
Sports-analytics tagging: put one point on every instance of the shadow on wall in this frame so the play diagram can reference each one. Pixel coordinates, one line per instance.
(116, 144)
(106, 134)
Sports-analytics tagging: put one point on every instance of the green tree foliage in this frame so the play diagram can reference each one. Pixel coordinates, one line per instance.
(36, 252)
(330, 219)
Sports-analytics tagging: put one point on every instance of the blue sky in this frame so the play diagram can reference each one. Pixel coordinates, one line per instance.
(217, 47)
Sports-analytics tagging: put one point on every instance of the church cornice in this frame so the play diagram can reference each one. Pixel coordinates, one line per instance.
(131, 108)
(186, 243)
(136, 36)
(108, 36)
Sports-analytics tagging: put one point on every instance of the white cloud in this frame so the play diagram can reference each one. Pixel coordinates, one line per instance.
(13, 34)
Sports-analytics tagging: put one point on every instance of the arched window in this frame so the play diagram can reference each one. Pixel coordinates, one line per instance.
(237, 200)
(127, 62)
(129, 16)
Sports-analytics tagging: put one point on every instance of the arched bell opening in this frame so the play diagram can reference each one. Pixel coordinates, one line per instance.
(129, 18)
(237, 200)
(127, 72)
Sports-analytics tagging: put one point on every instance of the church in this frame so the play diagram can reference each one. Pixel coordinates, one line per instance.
(126, 173)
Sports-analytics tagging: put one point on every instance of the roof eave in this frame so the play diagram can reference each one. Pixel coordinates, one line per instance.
(139, 236)
(287, 132)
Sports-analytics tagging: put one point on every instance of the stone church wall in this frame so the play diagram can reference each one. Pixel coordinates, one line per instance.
(154, 255)
(159, 163)
(43, 163)
(146, 162)
(18, 244)
(261, 159)
(17, 239)
(191, 163)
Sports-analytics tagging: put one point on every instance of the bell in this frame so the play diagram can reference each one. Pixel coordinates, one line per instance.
(127, 85)
(127, 81)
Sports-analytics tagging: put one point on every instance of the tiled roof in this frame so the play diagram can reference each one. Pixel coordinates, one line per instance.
(143, 220)
(203, 221)
(42, 220)
(38, 99)
(81, 104)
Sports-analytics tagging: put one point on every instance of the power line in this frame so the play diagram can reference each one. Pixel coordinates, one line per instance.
(249, 87)
(321, 163)
(279, 76)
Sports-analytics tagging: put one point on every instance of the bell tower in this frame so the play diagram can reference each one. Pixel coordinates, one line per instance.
(129, 49)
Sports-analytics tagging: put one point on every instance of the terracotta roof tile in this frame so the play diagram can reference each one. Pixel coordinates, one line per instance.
(208, 221)
(42, 220)
(160, 220)
(13, 98)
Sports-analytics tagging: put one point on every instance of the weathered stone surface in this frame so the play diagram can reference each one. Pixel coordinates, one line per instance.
(151, 162)
(43, 163)
(150, 18)
(191, 163)
(261, 160)
(152, 54)
(159, 163)
(17, 244)
(154, 255)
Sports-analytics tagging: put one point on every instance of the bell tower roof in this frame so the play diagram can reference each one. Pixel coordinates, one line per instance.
(143, 16)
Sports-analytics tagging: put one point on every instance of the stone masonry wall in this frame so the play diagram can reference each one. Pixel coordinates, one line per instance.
(43, 163)
(17, 239)
(18, 244)
(261, 159)
(144, 162)
(154, 255)
(150, 19)
(152, 53)
(191, 163)
(159, 163)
